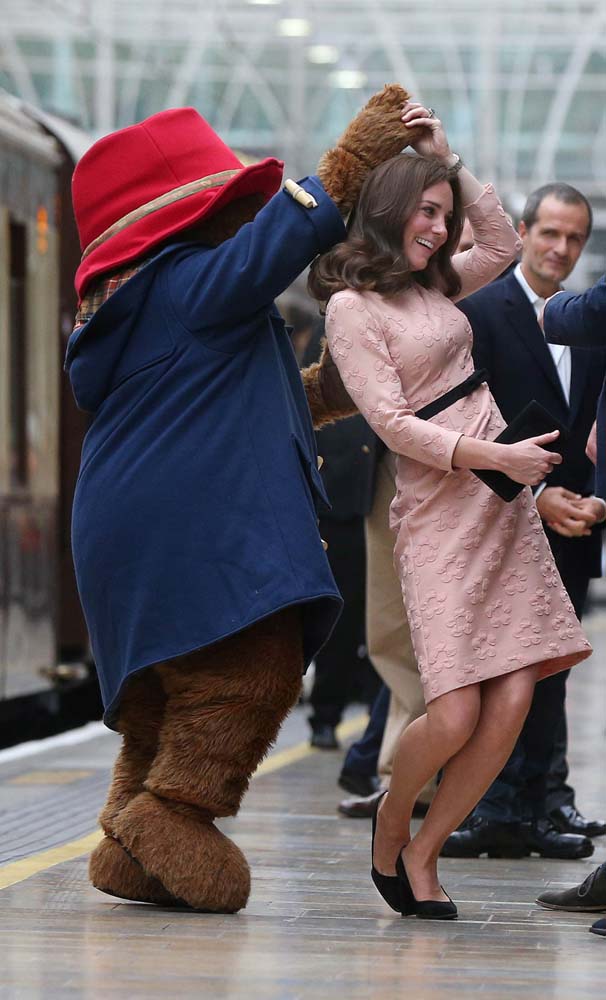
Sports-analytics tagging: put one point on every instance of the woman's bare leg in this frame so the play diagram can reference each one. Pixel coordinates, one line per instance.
(424, 747)
(505, 702)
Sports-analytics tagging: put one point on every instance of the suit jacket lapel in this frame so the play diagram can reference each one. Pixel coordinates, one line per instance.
(522, 319)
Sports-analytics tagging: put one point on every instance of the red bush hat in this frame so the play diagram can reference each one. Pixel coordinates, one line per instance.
(136, 187)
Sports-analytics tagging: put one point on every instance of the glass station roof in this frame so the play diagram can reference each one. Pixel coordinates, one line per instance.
(520, 84)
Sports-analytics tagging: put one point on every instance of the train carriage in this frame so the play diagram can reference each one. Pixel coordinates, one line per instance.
(43, 640)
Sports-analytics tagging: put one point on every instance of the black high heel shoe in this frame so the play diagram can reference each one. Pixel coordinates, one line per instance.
(389, 886)
(425, 909)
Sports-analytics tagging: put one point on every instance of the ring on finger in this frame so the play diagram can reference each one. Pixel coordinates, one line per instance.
(431, 113)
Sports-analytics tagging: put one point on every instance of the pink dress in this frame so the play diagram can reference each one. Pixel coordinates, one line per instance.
(481, 589)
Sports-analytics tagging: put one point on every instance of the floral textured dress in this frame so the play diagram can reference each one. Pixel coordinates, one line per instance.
(482, 593)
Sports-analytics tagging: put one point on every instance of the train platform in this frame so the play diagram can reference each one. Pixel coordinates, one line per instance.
(315, 926)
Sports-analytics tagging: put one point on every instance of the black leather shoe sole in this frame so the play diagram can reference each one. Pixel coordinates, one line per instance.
(561, 854)
(599, 928)
(571, 907)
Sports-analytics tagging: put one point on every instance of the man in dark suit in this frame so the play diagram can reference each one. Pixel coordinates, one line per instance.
(530, 807)
(580, 321)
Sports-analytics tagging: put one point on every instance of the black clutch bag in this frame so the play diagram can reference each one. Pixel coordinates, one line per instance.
(532, 421)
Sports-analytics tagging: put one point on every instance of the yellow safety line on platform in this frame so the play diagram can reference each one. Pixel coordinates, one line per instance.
(19, 871)
(285, 757)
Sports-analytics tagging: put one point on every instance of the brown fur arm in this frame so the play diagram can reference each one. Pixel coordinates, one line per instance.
(327, 397)
(376, 134)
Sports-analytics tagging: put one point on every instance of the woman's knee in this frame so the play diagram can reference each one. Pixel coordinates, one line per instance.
(455, 716)
(509, 697)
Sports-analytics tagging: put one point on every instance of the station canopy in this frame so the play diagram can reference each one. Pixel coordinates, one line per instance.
(520, 84)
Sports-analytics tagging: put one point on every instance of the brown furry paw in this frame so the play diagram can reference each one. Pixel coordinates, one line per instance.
(327, 397)
(191, 858)
(113, 871)
(376, 134)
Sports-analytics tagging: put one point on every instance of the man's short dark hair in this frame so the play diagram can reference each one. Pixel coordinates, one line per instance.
(563, 192)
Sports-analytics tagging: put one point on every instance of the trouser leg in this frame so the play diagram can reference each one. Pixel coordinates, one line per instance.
(224, 707)
(558, 791)
(339, 665)
(363, 755)
(387, 630)
(538, 738)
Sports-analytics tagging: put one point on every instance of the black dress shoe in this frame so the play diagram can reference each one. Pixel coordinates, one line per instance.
(359, 784)
(484, 836)
(568, 819)
(389, 886)
(424, 909)
(588, 897)
(360, 808)
(364, 807)
(323, 737)
(599, 928)
(541, 837)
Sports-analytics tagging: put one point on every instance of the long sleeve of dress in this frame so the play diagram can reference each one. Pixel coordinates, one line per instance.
(495, 246)
(358, 347)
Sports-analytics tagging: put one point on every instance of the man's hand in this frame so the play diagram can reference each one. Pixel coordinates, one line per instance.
(593, 510)
(565, 512)
(591, 449)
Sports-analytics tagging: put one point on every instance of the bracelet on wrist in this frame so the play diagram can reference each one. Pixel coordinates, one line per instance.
(456, 164)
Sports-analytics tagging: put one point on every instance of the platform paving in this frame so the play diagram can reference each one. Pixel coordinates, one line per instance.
(315, 927)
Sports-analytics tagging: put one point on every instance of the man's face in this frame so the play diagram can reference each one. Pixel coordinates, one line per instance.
(553, 244)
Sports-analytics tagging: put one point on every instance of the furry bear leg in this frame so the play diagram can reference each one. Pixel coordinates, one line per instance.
(111, 869)
(224, 707)
(141, 713)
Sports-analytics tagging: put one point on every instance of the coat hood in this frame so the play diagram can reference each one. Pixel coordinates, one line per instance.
(98, 355)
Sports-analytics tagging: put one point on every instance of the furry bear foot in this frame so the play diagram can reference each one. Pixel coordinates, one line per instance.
(187, 855)
(112, 870)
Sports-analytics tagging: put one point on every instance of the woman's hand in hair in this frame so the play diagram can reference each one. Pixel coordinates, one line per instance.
(432, 141)
(376, 134)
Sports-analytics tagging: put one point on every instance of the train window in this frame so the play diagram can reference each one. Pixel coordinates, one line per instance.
(17, 356)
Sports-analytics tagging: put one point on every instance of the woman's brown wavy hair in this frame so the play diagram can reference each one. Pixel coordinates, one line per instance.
(372, 257)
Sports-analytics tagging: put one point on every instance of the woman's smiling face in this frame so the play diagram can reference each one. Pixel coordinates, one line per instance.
(427, 229)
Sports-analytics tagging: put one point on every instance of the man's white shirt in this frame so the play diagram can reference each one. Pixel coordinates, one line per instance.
(560, 354)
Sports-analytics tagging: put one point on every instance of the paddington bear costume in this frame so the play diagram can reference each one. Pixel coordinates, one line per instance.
(202, 575)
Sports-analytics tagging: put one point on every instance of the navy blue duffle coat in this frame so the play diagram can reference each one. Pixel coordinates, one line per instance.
(195, 511)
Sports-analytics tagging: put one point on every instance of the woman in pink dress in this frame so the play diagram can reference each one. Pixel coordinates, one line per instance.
(488, 613)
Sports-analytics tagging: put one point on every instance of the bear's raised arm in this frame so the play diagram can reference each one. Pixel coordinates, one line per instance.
(375, 135)
(232, 280)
